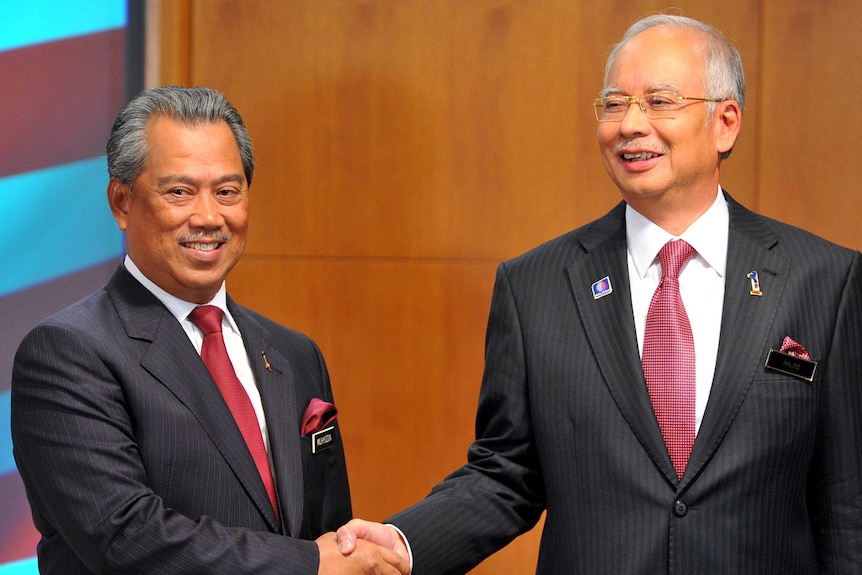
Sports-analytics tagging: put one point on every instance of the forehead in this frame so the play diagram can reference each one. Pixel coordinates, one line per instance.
(659, 58)
(164, 129)
(171, 141)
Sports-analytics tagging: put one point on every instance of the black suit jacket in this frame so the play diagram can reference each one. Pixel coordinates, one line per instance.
(565, 423)
(132, 461)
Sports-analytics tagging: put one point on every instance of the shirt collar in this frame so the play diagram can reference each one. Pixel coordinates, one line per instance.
(707, 235)
(179, 308)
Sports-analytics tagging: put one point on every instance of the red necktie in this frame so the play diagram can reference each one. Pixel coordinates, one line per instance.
(214, 353)
(668, 357)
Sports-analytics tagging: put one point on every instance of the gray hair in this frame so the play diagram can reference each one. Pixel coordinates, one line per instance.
(723, 77)
(127, 148)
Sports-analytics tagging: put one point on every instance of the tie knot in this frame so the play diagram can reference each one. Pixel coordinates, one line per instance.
(673, 256)
(207, 318)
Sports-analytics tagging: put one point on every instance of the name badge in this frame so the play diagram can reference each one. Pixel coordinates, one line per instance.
(791, 365)
(323, 439)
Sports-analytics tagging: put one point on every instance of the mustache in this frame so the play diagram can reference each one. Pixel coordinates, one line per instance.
(644, 143)
(216, 235)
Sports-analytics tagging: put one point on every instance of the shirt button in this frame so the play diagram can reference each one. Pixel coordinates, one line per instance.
(679, 509)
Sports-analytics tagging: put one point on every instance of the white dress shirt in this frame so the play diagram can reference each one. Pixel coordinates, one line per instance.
(181, 309)
(701, 283)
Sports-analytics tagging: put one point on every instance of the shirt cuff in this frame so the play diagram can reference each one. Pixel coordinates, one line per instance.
(406, 544)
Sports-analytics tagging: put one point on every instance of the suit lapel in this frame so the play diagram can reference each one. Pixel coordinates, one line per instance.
(278, 394)
(745, 326)
(609, 325)
(172, 360)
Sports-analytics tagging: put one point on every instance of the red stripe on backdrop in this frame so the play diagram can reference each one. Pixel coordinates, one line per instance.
(59, 100)
(16, 524)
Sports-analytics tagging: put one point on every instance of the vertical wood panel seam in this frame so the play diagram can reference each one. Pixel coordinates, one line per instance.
(757, 179)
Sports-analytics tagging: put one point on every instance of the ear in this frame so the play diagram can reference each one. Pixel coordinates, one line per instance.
(727, 123)
(119, 197)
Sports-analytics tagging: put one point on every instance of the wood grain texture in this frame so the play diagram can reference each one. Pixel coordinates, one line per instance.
(809, 173)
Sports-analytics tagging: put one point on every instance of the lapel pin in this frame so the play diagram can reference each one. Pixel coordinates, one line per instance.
(266, 363)
(602, 288)
(755, 284)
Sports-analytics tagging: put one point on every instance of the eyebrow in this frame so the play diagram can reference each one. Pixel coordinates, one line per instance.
(181, 179)
(617, 91)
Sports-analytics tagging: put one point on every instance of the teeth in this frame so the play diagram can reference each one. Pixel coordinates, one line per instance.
(202, 247)
(639, 156)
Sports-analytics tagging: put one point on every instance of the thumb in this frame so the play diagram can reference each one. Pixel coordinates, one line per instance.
(346, 540)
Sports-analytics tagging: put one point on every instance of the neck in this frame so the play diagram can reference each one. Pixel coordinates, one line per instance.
(674, 214)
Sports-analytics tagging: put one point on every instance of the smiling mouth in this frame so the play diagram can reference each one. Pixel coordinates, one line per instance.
(201, 246)
(639, 156)
(204, 241)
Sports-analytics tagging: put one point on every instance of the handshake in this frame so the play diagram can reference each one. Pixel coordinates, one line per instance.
(365, 548)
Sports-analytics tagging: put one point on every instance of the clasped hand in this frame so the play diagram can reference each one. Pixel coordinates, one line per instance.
(364, 548)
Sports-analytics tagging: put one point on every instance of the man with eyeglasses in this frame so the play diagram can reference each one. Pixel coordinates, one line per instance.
(677, 384)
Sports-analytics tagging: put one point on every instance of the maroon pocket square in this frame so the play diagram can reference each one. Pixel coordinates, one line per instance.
(793, 348)
(318, 415)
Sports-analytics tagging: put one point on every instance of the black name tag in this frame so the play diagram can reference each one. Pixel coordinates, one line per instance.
(791, 365)
(323, 439)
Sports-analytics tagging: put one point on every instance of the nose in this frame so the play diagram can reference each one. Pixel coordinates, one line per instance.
(635, 120)
(206, 213)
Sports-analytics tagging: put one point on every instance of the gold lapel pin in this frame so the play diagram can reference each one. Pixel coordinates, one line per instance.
(755, 284)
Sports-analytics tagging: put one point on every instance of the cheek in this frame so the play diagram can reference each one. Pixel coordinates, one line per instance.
(697, 153)
(158, 217)
(605, 134)
(237, 220)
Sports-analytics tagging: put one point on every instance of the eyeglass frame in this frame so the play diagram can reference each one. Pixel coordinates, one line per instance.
(601, 102)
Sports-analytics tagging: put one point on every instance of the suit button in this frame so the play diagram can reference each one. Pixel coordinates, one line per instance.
(679, 509)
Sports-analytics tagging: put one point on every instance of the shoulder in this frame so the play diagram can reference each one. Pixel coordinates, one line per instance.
(82, 316)
(78, 334)
(799, 246)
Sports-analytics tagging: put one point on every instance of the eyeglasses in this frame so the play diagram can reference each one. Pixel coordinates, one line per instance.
(655, 105)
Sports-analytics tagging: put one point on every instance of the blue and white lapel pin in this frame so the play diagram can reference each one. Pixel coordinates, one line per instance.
(602, 288)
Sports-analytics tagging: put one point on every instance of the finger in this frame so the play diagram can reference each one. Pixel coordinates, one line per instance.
(402, 566)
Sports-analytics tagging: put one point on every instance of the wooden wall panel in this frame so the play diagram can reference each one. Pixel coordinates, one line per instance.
(406, 118)
(404, 344)
(437, 124)
(404, 148)
(810, 173)
(168, 39)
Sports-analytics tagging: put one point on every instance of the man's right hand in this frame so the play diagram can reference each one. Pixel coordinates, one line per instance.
(365, 559)
(355, 530)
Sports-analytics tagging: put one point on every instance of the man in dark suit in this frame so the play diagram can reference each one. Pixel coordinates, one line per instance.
(151, 441)
(744, 454)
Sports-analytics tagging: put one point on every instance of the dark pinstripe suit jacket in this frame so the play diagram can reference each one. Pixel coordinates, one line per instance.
(132, 461)
(774, 484)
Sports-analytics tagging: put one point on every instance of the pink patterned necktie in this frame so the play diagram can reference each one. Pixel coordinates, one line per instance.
(668, 357)
(214, 353)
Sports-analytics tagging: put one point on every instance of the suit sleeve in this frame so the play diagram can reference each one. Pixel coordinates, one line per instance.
(498, 494)
(836, 485)
(75, 446)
